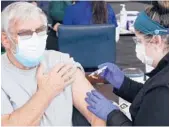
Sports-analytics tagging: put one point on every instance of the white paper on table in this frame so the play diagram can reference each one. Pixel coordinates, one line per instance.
(124, 107)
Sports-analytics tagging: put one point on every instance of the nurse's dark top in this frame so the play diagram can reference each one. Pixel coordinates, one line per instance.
(81, 14)
(150, 102)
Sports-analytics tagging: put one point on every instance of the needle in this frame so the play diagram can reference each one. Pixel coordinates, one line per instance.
(98, 71)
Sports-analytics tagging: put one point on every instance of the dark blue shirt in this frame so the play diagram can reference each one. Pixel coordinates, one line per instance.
(81, 14)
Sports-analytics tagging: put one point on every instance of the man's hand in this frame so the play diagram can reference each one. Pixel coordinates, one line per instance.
(79, 88)
(54, 82)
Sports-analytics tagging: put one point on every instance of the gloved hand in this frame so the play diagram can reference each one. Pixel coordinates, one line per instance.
(112, 74)
(99, 105)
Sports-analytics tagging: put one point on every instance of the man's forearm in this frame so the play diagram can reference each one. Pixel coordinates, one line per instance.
(30, 113)
(37, 122)
(79, 88)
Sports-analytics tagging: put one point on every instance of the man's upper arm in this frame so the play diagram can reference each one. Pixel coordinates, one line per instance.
(79, 88)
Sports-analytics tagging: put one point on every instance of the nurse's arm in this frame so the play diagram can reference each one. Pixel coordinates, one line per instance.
(154, 108)
(79, 88)
(128, 90)
(118, 118)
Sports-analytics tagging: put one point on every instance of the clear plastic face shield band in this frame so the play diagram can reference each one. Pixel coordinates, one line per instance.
(147, 26)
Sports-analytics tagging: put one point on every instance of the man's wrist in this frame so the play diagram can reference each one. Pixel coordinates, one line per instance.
(44, 96)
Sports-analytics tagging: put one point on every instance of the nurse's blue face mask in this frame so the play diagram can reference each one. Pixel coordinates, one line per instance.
(147, 26)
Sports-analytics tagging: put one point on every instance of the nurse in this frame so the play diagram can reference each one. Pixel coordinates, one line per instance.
(150, 102)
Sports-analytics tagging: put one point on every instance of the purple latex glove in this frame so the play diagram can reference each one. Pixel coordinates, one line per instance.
(112, 74)
(99, 105)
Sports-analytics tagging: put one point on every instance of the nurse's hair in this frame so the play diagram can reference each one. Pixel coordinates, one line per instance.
(20, 12)
(159, 12)
(99, 12)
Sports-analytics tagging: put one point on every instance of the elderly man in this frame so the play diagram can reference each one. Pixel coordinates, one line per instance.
(38, 87)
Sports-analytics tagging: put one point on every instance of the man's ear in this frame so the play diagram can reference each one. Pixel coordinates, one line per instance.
(5, 41)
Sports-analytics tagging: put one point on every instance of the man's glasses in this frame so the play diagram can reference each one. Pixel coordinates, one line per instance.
(27, 34)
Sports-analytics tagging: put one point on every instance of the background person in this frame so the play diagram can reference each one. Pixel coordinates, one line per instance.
(89, 12)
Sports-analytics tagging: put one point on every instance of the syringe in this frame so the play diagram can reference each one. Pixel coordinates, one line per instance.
(98, 71)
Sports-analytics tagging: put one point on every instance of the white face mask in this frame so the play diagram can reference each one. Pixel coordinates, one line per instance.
(141, 54)
(29, 52)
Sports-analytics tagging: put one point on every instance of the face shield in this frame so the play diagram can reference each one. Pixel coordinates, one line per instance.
(147, 26)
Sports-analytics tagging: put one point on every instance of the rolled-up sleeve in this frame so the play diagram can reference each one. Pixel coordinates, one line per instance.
(58, 57)
(66, 58)
(6, 107)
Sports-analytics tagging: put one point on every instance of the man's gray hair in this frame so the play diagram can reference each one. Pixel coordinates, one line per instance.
(20, 11)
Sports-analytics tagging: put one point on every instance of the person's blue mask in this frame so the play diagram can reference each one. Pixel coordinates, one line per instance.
(29, 52)
(27, 62)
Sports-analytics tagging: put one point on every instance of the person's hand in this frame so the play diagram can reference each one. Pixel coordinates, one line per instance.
(99, 105)
(112, 74)
(55, 81)
(55, 27)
